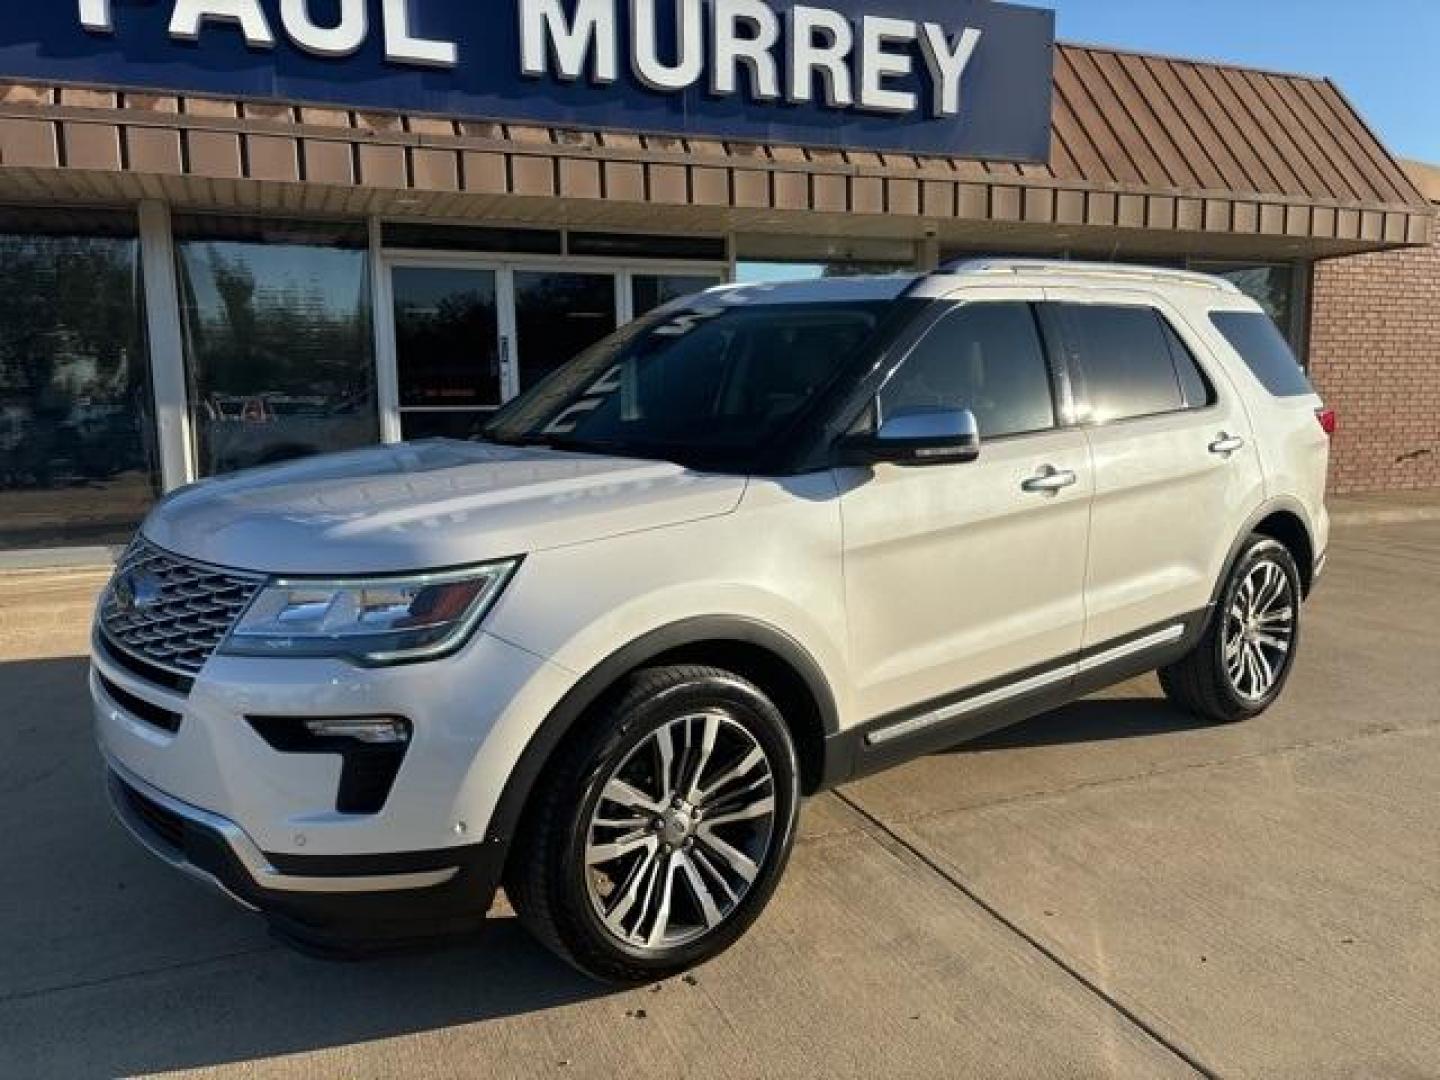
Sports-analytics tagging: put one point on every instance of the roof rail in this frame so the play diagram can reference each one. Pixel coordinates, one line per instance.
(1111, 271)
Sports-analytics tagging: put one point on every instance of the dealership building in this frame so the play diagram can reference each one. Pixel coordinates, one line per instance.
(234, 232)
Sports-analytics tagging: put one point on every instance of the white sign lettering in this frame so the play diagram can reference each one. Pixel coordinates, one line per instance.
(744, 46)
(190, 15)
(95, 16)
(745, 36)
(544, 30)
(947, 64)
(828, 58)
(690, 52)
(343, 39)
(877, 64)
(744, 32)
(403, 47)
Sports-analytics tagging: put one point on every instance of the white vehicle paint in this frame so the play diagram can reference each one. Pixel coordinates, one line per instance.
(274, 635)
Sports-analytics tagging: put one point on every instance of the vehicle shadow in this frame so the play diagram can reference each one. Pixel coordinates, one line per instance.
(1087, 721)
(115, 965)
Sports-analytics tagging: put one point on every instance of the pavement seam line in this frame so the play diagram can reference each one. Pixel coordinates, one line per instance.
(951, 879)
(125, 976)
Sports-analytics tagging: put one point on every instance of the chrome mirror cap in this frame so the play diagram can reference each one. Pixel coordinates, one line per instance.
(935, 436)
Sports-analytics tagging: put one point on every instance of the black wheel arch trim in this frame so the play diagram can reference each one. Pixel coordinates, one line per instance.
(736, 629)
(1269, 508)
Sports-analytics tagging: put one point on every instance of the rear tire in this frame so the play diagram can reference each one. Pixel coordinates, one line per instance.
(658, 834)
(1241, 664)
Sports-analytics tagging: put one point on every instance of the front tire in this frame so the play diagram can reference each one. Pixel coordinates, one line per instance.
(1241, 664)
(660, 831)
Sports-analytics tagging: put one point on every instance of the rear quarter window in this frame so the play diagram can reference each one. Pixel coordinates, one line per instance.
(1257, 339)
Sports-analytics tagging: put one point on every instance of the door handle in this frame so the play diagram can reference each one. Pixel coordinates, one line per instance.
(1226, 444)
(1050, 480)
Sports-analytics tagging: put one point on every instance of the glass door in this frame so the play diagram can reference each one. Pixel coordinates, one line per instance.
(558, 314)
(449, 365)
(466, 335)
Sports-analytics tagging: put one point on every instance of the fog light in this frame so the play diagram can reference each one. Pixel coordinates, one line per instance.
(375, 730)
(371, 751)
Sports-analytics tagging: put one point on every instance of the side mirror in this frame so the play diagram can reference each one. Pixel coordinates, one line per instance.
(918, 437)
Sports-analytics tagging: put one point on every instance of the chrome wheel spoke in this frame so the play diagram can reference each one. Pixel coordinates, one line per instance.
(665, 746)
(640, 877)
(737, 861)
(1263, 671)
(709, 909)
(758, 808)
(710, 732)
(628, 823)
(703, 862)
(751, 761)
(627, 795)
(596, 854)
(659, 913)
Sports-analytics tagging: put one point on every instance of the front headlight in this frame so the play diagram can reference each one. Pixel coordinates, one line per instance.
(380, 620)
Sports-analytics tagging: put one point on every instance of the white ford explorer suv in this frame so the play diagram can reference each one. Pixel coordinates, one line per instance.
(757, 543)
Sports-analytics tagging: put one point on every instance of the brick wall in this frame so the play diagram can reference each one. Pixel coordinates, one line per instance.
(1375, 356)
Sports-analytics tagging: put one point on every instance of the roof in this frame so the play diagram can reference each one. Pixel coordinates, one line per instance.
(1425, 176)
(1134, 118)
(1142, 146)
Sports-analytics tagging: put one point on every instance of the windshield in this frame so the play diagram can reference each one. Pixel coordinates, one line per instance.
(711, 379)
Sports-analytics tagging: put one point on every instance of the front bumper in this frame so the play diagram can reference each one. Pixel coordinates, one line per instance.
(337, 905)
(197, 785)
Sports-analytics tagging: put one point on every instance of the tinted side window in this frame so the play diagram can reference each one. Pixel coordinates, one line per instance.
(1193, 383)
(1124, 361)
(1260, 344)
(983, 357)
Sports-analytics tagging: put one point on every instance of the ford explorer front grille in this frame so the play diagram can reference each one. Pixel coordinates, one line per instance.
(169, 611)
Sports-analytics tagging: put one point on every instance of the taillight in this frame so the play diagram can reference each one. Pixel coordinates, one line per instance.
(1327, 420)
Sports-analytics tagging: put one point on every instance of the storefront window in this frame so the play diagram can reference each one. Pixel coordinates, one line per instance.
(77, 444)
(1271, 285)
(649, 291)
(759, 273)
(278, 340)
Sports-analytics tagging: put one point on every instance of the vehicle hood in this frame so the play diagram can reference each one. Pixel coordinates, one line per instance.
(427, 505)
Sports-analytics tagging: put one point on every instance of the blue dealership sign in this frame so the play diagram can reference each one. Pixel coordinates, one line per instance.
(968, 78)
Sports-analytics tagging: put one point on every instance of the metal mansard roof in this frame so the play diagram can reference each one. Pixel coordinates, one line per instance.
(1141, 145)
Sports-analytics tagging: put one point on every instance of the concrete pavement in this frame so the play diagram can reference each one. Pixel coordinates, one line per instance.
(1107, 890)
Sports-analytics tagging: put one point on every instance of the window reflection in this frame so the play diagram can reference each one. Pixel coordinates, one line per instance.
(278, 342)
(558, 316)
(77, 448)
(1272, 286)
(649, 291)
(447, 350)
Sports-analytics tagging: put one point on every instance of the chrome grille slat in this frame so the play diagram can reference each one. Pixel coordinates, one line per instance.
(195, 608)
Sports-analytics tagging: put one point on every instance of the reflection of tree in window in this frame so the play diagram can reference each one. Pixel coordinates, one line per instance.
(74, 392)
(558, 316)
(278, 339)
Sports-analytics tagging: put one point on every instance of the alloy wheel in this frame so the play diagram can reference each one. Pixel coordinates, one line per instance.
(680, 831)
(1259, 630)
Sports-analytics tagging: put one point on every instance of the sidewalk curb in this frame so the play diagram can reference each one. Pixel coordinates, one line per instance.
(1349, 519)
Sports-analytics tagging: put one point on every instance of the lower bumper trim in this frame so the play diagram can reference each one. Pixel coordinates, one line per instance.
(259, 867)
(343, 906)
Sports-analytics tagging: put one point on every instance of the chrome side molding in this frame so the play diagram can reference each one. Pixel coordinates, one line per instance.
(1001, 694)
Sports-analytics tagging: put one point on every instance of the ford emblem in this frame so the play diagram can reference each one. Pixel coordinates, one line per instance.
(137, 591)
